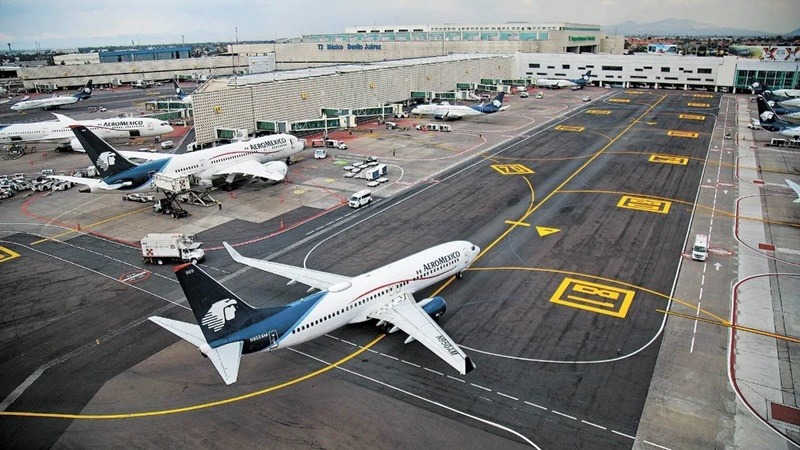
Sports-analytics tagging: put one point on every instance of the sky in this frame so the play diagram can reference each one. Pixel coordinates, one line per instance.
(73, 23)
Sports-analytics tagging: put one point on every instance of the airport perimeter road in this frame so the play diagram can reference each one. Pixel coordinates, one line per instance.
(582, 226)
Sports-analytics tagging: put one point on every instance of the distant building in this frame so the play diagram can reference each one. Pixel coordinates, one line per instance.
(149, 54)
(76, 58)
(660, 49)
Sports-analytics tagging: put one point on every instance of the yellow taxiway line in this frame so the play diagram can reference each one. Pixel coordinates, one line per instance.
(164, 412)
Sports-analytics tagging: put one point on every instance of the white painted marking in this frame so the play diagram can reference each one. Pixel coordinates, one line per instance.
(717, 265)
(481, 387)
(594, 425)
(534, 405)
(507, 396)
(433, 371)
(424, 399)
(390, 357)
(457, 379)
(410, 363)
(623, 434)
(348, 342)
(656, 445)
(564, 415)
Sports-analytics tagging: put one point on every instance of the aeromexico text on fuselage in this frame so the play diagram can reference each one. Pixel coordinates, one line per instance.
(259, 145)
(442, 260)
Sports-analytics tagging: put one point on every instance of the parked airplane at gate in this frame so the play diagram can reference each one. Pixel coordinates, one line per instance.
(180, 94)
(59, 131)
(227, 327)
(784, 97)
(56, 101)
(554, 83)
(788, 114)
(262, 157)
(771, 122)
(446, 111)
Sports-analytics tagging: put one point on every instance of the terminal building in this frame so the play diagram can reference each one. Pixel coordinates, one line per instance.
(371, 67)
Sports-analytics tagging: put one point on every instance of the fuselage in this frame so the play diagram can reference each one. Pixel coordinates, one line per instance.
(60, 131)
(352, 301)
(444, 108)
(205, 164)
(52, 102)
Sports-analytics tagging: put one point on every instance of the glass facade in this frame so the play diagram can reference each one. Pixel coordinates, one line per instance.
(776, 79)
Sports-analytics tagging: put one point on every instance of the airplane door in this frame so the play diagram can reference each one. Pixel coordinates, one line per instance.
(150, 125)
(273, 339)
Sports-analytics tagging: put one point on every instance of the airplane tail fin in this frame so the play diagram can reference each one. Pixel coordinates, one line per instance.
(85, 92)
(218, 311)
(104, 157)
(178, 91)
(498, 101)
(587, 75)
(767, 116)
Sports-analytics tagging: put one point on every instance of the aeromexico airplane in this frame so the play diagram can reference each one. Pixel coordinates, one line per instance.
(557, 83)
(55, 101)
(262, 157)
(182, 96)
(227, 327)
(788, 114)
(784, 97)
(771, 122)
(59, 131)
(446, 111)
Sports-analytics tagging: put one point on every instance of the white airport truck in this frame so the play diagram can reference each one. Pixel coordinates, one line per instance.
(158, 248)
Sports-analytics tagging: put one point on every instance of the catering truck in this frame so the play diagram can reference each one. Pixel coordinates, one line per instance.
(158, 248)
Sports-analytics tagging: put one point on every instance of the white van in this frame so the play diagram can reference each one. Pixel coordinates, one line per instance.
(360, 198)
(320, 153)
(167, 144)
(700, 248)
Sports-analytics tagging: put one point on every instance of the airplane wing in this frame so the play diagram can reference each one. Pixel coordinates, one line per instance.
(147, 156)
(225, 358)
(91, 182)
(252, 167)
(404, 312)
(796, 188)
(314, 278)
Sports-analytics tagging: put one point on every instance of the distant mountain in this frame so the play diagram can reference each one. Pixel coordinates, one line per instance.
(792, 33)
(680, 27)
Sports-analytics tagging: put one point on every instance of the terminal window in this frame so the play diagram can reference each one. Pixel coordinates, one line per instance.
(565, 66)
(534, 65)
(665, 69)
(613, 68)
(703, 70)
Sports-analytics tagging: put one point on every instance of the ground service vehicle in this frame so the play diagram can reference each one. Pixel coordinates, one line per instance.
(320, 153)
(360, 198)
(167, 145)
(158, 248)
(375, 172)
(700, 248)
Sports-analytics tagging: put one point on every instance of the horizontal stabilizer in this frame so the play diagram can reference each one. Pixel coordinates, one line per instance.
(226, 358)
(187, 331)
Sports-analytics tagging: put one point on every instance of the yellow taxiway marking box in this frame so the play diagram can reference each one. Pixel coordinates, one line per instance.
(600, 298)
(512, 169)
(669, 159)
(644, 204)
